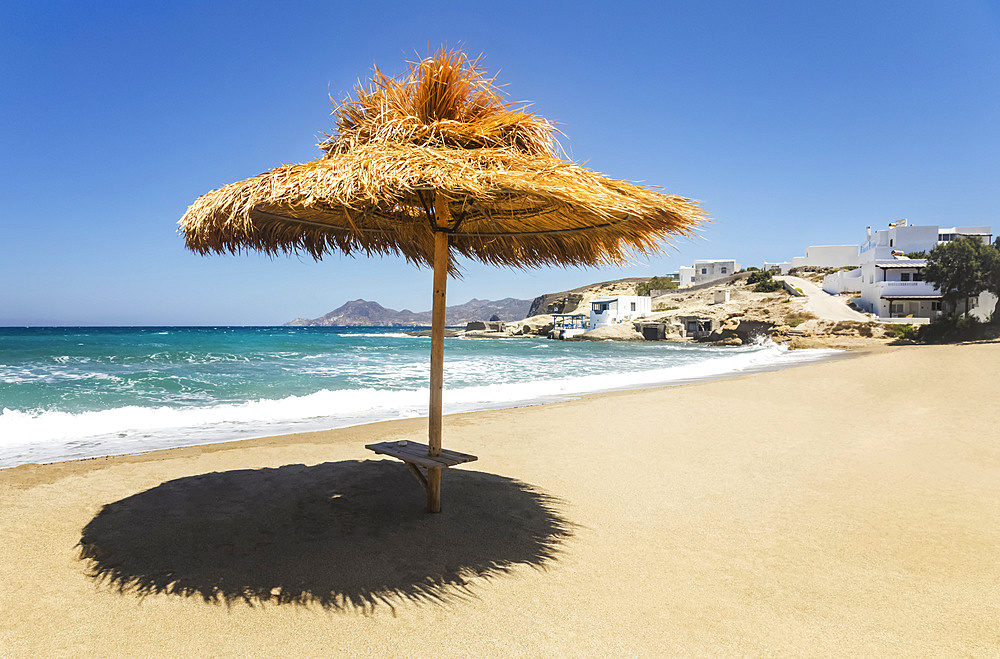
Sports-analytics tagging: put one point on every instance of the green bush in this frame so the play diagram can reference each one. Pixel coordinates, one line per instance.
(655, 284)
(758, 276)
(968, 323)
(796, 319)
(768, 285)
(936, 330)
(951, 330)
(906, 332)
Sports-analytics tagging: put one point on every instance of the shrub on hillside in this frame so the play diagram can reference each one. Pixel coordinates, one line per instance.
(796, 319)
(758, 276)
(906, 332)
(655, 284)
(768, 285)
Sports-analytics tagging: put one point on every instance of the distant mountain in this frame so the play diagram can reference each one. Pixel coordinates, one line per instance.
(362, 313)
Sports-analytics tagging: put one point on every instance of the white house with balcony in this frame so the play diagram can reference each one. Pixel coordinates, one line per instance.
(618, 309)
(891, 284)
(706, 270)
(895, 288)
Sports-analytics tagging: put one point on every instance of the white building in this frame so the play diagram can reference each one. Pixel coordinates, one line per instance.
(618, 309)
(568, 325)
(707, 270)
(843, 281)
(820, 256)
(892, 285)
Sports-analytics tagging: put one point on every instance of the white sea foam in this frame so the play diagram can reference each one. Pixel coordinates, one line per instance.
(381, 335)
(45, 436)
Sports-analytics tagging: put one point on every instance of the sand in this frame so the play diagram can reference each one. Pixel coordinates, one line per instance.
(849, 508)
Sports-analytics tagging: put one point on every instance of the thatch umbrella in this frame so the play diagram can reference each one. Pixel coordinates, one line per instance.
(428, 164)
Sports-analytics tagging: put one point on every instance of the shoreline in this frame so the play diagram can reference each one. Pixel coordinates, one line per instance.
(831, 354)
(767, 514)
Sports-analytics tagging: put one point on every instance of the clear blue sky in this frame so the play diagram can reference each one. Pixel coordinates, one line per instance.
(796, 123)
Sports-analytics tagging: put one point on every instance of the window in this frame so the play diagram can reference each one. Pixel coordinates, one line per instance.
(935, 306)
(890, 242)
(895, 308)
(633, 306)
(704, 271)
(723, 270)
(904, 276)
(918, 276)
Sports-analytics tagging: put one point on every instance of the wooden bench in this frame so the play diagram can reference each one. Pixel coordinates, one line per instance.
(415, 455)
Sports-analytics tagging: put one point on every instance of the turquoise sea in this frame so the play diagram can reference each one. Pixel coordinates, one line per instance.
(76, 392)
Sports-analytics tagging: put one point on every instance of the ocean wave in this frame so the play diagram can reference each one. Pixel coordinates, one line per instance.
(45, 435)
(49, 375)
(17, 427)
(380, 335)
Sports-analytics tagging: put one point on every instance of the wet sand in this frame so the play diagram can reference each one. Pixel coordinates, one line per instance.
(847, 508)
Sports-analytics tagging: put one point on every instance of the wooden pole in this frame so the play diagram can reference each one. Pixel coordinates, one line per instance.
(434, 490)
(437, 351)
(437, 340)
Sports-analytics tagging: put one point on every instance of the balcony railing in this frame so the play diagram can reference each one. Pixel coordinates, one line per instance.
(907, 288)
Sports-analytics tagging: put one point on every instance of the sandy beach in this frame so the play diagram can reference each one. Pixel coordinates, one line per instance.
(848, 508)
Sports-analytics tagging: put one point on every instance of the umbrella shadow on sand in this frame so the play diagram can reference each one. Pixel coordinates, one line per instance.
(343, 535)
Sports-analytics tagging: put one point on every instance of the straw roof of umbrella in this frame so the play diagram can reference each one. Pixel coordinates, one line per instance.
(443, 129)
